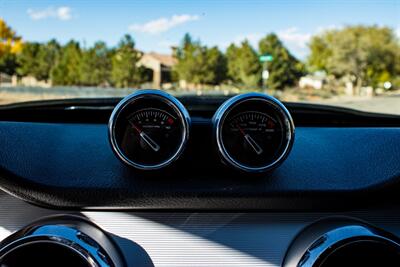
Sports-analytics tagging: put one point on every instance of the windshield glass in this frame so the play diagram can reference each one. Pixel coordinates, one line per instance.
(343, 53)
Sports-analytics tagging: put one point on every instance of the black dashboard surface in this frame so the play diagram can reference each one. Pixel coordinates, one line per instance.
(71, 165)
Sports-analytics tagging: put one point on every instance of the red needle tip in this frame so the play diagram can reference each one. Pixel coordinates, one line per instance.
(240, 129)
(136, 128)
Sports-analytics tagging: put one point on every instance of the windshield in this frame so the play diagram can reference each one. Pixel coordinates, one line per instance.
(343, 53)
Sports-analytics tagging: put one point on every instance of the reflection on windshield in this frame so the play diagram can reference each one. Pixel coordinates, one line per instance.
(354, 65)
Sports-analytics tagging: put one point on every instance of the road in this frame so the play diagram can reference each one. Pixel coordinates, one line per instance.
(381, 104)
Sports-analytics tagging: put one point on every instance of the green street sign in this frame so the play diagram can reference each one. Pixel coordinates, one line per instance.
(266, 58)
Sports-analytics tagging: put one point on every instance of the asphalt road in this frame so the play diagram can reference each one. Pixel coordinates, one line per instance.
(381, 104)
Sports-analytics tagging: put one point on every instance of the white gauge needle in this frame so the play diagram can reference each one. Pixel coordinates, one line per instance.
(253, 144)
(251, 141)
(150, 142)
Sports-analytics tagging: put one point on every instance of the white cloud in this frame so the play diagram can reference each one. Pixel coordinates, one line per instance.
(64, 13)
(397, 31)
(163, 24)
(295, 40)
(61, 13)
(295, 37)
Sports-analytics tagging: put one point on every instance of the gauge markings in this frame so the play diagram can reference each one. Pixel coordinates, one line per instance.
(153, 133)
(153, 113)
(253, 121)
(252, 137)
(149, 129)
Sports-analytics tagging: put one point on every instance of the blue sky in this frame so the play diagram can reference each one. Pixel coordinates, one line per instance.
(156, 25)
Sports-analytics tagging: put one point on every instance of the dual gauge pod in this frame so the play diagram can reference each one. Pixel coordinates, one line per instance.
(149, 130)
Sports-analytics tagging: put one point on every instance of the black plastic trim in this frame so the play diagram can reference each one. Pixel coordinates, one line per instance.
(63, 165)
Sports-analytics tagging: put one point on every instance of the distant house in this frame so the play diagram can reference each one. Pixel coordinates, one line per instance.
(29, 81)
(160, 66)
(5, 80)
(33, 82)
(315, 80)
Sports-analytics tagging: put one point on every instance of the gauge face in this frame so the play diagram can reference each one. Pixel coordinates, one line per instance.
(253, 138)
(253, 132)
(148, 130)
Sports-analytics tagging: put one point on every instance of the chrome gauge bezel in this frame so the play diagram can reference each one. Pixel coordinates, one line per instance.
(224, 110)
(168, 99)
(325, 236)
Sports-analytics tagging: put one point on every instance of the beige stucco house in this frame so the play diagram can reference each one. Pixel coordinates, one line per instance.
(161, 66)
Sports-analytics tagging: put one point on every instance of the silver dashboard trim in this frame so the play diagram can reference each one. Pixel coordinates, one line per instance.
(311, 244)
(181, 239)
(59, 235)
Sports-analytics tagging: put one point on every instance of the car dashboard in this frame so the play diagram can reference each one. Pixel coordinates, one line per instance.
(70, 170)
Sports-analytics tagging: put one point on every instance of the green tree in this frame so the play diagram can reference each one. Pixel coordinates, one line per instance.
(125, 72)
(320, 53)
(284, 70)
(47, 57)
(67, 70)
(199, 64)
(96, 65)
(369, 53)
(27, 59)
(243, 64)
(188, 67)
(37, 59)
(8, 63)
(215, 66)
